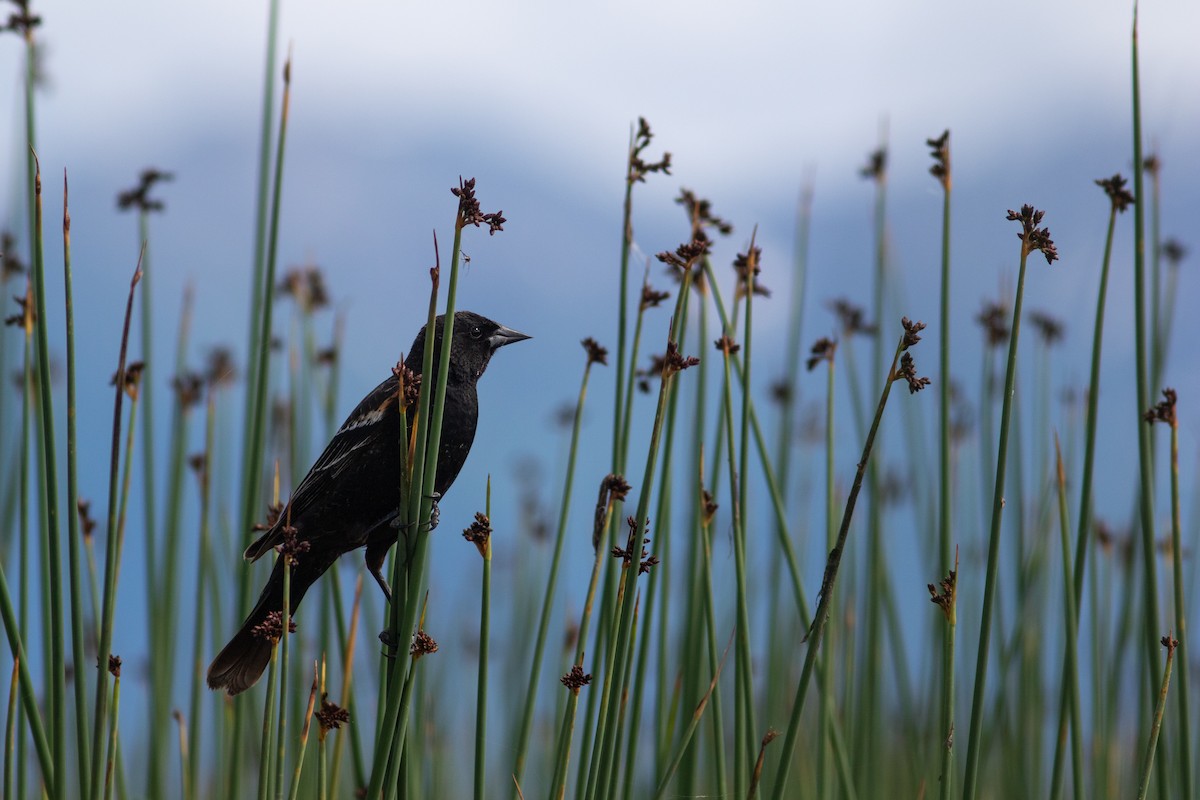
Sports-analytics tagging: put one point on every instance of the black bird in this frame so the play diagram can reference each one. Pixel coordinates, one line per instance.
(351, 496)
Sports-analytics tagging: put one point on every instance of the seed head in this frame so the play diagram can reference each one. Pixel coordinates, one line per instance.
(576, 679)
(1032, 237)
(940, 152)
(822, 350)
(1114, 187)
(1164, 411)
(595, 353)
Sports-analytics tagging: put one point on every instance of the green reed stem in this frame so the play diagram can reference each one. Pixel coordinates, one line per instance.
(1156, 726)
(827, 586)
(294, 792)
(1145, 456)
(1070, 689)
(255, 440)
(112, 556)
(110, 763)
(485, 627)
(1185, 718)
(202, 572)
(974, 742)
(82, 743)
(551, 583)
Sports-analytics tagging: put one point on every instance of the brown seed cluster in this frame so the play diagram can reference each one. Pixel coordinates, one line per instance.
(576, 679)
(422, 645)
(271, 628)
(133, 377)
(945, 597)
(727, 345)
(188, 388)
(700, 214)
(652, 298)
(595, 353)
(1173, 251)
(639, 168)
(27, 315)
(685, 256)
(139, 196)
(994, 320)
(1114, 187)
(479, 532)
(851, 317)
(939, 150)
(1164, 411)
(822, 350)
(87, 524)
(674, 362)
(746, 267)
(330, 717)
(1034, 238)
(912, 331)
(626, 554)
(305, 285)
(409, 385)
(10, 264)
(908, 372)
(1050, 328)
(469, 212)
(292, 546)
(220, 370)
(114, 666)
(876, 168)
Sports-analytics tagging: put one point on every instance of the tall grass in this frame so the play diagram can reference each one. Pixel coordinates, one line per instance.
(675, 664)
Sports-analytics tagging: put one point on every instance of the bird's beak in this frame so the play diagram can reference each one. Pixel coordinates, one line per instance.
(504, 336)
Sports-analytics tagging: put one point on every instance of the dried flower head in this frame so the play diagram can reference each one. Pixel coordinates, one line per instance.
(912, 331)
(944, 599)
(469, 212)
(274, 510)
(114, 666)
(876, 168)
(781, 392)
(851, 317)
(10, 263)
(133, 377)
(27, 315)
(199, 464)
(822, 350)
(674, 362)
(1048, 327)
(940, 152)
(1114, 187)
(639, 168)
(746, 267)
(652, 298)
(1152, 164)
(330, 717)
(1164, 411)
(1174, 252)
(271, 628)
(139, 196)
(708, 506)
(1032, 237)
(87, 525)
(908, 372)
(727, 345)
(595, 353)
(422, 645)
(292, 545)
(685, 256)
(700, 214)
(306, 286)
(576, 679)
(994, 319)
(1170, 643)
(479, 532)
(220, 370)
(189, 388)
(22, 21)
(408, 385)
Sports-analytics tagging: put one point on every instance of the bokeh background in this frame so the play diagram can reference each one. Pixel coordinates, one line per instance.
(391, 103)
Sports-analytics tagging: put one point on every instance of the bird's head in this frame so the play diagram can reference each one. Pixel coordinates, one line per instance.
(475, 337)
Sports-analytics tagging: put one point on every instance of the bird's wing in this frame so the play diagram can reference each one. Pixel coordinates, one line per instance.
(359, 430)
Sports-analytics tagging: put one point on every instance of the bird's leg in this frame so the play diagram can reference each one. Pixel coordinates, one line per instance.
(435, 513)
(376, 553)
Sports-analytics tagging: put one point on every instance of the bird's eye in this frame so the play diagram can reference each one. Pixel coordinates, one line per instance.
(476, 332)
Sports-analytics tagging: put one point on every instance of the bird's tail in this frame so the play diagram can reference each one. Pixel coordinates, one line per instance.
(241, 663)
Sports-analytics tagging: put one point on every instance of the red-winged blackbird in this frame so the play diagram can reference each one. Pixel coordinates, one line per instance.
(351, 496)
